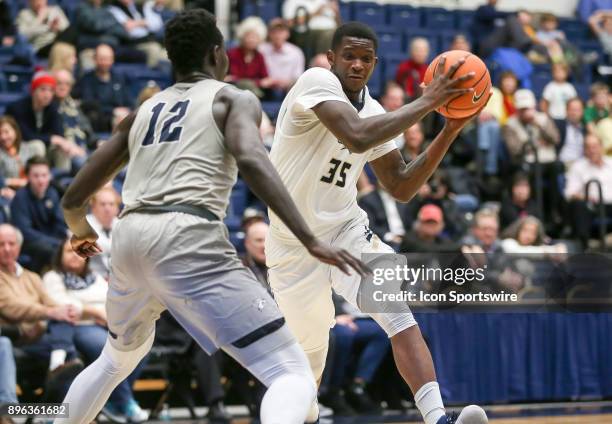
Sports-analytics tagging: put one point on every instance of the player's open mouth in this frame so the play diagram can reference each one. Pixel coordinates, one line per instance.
(355, 77)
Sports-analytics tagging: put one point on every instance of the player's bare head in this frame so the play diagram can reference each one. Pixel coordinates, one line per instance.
(195, 44)
(353, 55)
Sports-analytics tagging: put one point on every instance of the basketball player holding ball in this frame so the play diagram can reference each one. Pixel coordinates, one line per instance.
(328, 127)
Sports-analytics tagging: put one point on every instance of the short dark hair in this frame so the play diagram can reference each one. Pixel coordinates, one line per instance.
(190, 36)
(520, 177)
(354, 29)
(36, 160)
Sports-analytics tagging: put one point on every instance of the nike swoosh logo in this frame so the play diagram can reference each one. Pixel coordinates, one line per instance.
(476, 97)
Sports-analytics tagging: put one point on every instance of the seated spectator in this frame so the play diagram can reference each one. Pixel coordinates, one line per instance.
(247, 66)
(319, 61)
(385, 215)
(14, 153)
(598, 106)
(284, 61)
(8, 369)
(141, 24)
(357, 340)
(551, 37)
(411, 72)
(571, 132)
(41, 24)
(501, 104)
(460, 42)
(38, 116)
(25, 304)
(169, 333)
(36, 211)
(161, 9)
(594, 165)
(102, 91)
(255, 232)
(601, 25)
(526, 236)
(517, 32)
(23, 53)
(486, 20)
(96, 25)
(603, 129)
(413, 142)
(77, 129)
(586, 8)
(62, 56)
(392, 99)
(485, 232)
(104, 209)
(427, 233)
(557, 92)
(313, 23)
(72, 283)
(520, 203)
(146, 93)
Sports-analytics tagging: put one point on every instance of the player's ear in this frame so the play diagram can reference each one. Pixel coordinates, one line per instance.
(331, 57)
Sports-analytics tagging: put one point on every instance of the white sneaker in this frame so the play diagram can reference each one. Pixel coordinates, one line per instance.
(472, 414)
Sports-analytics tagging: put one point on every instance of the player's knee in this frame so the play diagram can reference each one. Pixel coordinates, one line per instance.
(317, 358)
(122, 361)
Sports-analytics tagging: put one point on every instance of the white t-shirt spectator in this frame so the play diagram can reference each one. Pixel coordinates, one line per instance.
(582, 171)
(557, 94)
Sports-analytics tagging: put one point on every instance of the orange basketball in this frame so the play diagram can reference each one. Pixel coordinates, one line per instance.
(466, 104)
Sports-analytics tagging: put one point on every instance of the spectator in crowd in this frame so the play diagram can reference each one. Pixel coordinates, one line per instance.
(460, 42)
(313, 23)
(161, 9)
(603, 129)
(594, 165)
(571, 132)
(392, 99)
(385, 216)
(598, 106)
(247, 66)
(526, 236)
(147, 92)
(485, 232)
(170, 334)
(486, 20)
(7, 26)
(411, 72)
(23, 53)
(493, 116)
(255, 232)
(319, 61)
(520, 203)
(103, 218)
(72, 283)
(517, 33)
(427, 234)
(358, 340)
(551, 37)
(96, 25)
(601, 25)
(8, 370)
(103, 91)
(25, 304)
(284, 61)
(412, 145)
(586, 8)
(141, 24)
(38, 116)
(501, 104)
(14, 153)
(41, 24)
(557, 93)
(36, 211)
(62, 56)
(77, 129)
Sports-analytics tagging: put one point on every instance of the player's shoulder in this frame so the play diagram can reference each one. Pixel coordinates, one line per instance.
(374, 105)
(315, 76)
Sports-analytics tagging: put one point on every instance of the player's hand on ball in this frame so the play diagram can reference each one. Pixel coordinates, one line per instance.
(444, 86)
(86, 246)
(457, 124)
(338, 257)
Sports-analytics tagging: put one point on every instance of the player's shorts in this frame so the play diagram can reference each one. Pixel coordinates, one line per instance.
(187, 265)
(302, 285)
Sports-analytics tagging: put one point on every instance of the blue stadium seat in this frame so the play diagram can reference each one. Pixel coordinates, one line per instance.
(390, 41)
(464, 19)
(346, 11)
(538, 82)
(376, 83)
(8, 98)
(265, 9)
(237, 239)
(369, 13)
(6, 54)
(271, 109)
(390, 64)
(403, 17)
(17, 77)
(446, 37)
(437, 19)
(583, 89)
(574, 29)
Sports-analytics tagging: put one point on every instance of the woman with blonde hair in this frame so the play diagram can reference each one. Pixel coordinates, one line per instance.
(62, 56)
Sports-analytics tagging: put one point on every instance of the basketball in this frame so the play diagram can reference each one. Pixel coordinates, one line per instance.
(468, 103)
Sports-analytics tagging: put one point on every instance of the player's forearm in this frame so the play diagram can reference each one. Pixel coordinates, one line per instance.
(418, 171)
(375, 130)
(263, 179)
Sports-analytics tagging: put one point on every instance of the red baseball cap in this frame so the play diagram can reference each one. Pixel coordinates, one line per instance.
(431, 212)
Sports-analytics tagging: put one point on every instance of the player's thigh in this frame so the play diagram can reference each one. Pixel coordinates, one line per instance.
(357, 241)
(301, 287)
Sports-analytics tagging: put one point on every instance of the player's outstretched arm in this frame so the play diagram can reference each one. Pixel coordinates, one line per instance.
(99, 169)
(361, 134)
(238, 114)
(403, 180)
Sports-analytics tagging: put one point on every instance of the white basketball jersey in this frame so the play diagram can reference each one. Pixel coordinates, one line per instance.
(319, 171)
(177, 153)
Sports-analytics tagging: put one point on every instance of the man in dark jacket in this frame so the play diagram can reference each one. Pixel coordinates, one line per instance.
(97, 25)
(38, 115)
(36, 211)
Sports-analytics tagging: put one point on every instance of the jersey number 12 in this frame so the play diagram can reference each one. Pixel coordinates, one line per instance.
(170, 132)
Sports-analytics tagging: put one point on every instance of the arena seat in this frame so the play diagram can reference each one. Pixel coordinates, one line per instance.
(271, 109)
(389, 40)
(369, 13)
(265, 9)
(403, 16)
(431, 35)
(346, 11)
(464, 19)
(437, 18)
(376, 83)
(390, 63)
(8, 98)
(17, 77)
